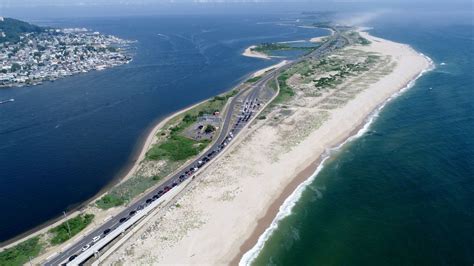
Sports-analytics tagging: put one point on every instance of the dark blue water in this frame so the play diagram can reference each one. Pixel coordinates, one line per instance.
(403, 193)
(62, 142)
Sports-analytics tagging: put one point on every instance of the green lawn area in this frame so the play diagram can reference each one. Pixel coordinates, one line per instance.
(109, 200)
(21, 253)
(176, 148)
(172, 148)
(286, 92)
(129, 189)
(77, 224)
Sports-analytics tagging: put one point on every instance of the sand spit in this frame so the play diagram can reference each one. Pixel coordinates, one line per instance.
(232, 203)
(251, 53)
(264, 70)
(317, 39)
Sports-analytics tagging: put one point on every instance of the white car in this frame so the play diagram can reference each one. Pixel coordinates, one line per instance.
(86, 247)
(95, 239)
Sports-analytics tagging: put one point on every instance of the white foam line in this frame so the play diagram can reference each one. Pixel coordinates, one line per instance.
(287, 207)
(293, 41)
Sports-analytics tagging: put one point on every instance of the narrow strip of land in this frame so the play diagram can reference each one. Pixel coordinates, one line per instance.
(322, 100)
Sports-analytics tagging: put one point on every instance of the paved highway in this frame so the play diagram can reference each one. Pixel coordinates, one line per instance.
(250, 107)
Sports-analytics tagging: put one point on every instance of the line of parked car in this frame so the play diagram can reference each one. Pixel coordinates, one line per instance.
(247, 110)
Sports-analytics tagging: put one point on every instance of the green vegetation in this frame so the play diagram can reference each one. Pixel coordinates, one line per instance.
(273, 85)
(343, 69)
(286, 92)
(109, 201)
(355, 36)
(13, 28)
(267, 48)
(209, 129)
(326, 82)
(77, 224)
(181, 122)
(176, 148)
(20, 254)
(363, 41)
(262, 117)
(173, 148)
(323, 24)
(254, 79)
(129, 189)
(187, 120)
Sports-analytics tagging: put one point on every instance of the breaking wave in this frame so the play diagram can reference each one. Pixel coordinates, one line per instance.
(287, 207)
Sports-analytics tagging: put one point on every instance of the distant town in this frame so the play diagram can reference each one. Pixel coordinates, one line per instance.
(30, 54)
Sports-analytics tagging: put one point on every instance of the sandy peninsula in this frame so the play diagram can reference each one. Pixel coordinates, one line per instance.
(222, 215)
(249, 52)
(102, 216)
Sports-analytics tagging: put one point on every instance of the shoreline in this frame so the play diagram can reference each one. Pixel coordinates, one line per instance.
(210, 214)
(282, 206)
(248, 52)
(265, 70)
(137, 155)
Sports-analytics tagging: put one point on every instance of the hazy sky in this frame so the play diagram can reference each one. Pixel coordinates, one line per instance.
(13, 3)
(38, 9)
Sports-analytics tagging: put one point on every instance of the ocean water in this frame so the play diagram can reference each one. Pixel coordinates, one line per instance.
(402, 193)
(62, 142)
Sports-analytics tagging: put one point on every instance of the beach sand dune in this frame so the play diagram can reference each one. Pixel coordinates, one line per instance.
(231, 204)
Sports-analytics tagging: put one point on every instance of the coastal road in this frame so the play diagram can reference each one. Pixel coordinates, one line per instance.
(227, 133)
(229, 130)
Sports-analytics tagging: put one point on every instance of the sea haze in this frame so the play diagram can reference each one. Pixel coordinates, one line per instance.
(63, 141)
(403, 193)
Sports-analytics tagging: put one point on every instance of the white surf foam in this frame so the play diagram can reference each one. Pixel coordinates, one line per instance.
(287, 207)
(298, 41)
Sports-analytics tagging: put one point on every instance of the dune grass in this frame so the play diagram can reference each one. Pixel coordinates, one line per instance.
(177, 148)
(20, 254)
(286, 92)
(77, 224)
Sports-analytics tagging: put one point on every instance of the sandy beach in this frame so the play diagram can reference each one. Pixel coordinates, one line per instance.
(236, 199)
(250, 53)
(264, 70)
(317, 39)
(102, 216)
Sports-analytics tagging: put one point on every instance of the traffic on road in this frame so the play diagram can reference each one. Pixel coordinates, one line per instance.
(235, 120)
